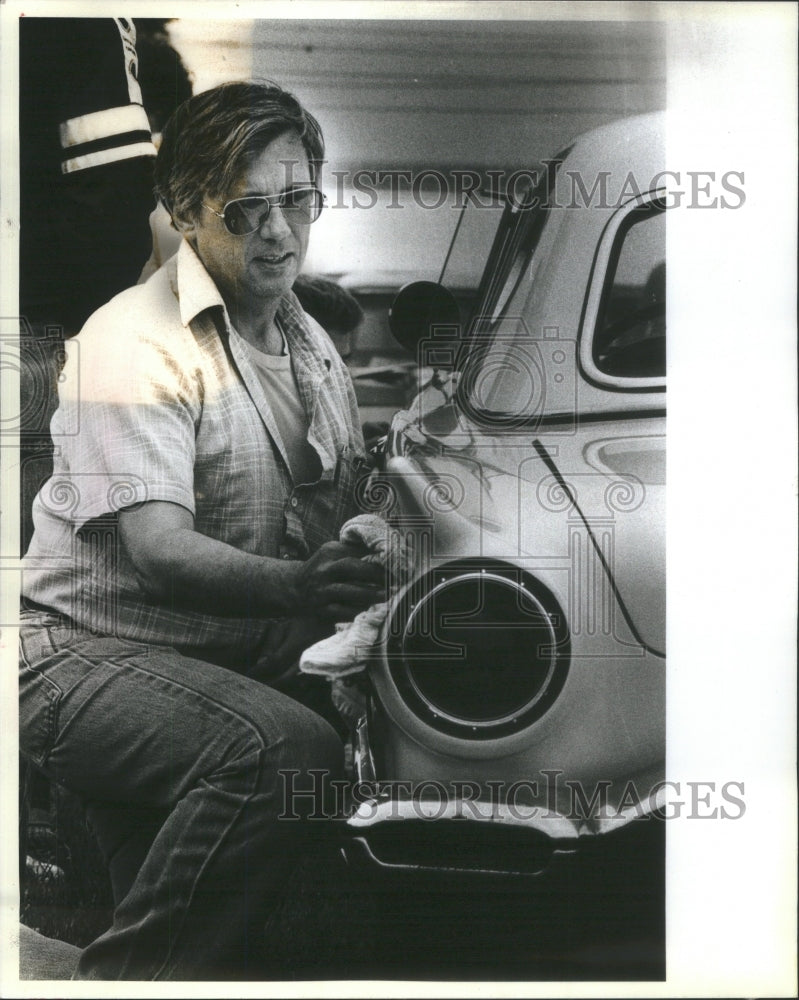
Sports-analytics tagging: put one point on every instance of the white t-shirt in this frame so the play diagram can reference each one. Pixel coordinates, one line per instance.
(280, 388)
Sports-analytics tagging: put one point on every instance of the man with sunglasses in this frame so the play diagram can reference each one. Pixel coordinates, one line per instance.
(185, 551)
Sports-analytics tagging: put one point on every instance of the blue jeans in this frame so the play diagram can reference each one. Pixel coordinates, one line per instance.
(180, 762)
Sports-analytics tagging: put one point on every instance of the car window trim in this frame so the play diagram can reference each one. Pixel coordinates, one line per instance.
(519, 231)
(593, 303)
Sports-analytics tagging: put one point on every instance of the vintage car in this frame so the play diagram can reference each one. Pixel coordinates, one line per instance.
(516, 710)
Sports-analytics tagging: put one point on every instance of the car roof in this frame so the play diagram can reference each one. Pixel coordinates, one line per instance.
(635, 143)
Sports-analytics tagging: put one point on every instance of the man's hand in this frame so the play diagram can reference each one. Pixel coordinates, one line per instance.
(176, 565)
(336, 583)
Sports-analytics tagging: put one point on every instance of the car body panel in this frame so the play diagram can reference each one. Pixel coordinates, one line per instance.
(462, 505)
(567, 263)
(523, 460)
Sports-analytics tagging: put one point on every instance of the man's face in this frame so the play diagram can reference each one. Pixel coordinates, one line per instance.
(253, 270)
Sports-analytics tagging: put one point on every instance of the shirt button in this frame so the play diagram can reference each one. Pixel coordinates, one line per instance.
(294, 501)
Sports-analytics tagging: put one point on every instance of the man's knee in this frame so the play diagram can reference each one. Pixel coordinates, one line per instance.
(313, 745)
(310, 770)
(292, 739)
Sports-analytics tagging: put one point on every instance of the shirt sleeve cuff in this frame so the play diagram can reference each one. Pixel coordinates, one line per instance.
(81, 498)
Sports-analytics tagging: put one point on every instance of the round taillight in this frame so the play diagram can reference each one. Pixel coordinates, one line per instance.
(478, 651)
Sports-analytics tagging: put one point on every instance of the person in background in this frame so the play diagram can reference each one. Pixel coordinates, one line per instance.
(165, 81)
(86, 167)
(341, 315)
(333, 307)
(186, 551)
(166, 84)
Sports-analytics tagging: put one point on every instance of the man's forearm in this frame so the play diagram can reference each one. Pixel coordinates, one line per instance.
(189, 570)
(180, 567)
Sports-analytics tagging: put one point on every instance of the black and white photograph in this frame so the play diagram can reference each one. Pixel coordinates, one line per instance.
(347, 518)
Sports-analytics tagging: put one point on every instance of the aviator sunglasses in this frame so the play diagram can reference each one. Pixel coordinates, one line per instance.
(300, 206)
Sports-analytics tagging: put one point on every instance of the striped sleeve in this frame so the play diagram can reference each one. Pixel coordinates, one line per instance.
(105, 137)
(109, 134)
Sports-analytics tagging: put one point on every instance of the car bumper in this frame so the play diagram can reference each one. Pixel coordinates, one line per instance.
(394, 830)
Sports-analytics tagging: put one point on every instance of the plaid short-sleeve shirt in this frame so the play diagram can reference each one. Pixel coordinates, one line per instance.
(160, 401)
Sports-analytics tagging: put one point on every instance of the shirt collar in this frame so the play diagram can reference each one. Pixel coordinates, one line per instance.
(305, 347)
(194, 286)
(196, 292)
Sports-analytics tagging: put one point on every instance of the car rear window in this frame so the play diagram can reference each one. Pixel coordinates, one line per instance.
(630, 336)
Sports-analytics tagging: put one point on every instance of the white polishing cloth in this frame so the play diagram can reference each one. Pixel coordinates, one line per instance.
(346, 651)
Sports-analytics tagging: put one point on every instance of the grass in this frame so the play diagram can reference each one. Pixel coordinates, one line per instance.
(68, 896)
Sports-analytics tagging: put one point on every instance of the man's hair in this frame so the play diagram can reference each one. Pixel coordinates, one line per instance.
(330, 305)
(211, 137)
